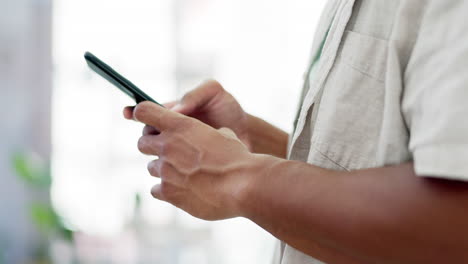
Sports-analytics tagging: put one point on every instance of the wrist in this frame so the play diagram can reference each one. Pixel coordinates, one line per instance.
(265, 138)
(257, 174)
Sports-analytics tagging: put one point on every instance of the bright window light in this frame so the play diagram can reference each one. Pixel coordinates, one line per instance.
(257, 49)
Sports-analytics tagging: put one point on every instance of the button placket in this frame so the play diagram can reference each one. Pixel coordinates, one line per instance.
(325, 65)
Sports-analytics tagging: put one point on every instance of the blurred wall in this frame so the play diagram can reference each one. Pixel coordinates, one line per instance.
(25, 85)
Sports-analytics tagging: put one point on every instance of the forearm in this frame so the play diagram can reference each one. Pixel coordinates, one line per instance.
(386, 215)
(265, 138)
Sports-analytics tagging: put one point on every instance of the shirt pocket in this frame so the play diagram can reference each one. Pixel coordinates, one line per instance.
(349, 118)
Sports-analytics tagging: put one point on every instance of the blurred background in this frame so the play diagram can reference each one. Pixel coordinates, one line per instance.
(74, 188)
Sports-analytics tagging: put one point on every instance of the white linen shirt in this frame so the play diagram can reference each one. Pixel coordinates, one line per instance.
(391, 86)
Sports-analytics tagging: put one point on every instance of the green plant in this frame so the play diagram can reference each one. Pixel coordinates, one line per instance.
(36, 174)
(32, 170)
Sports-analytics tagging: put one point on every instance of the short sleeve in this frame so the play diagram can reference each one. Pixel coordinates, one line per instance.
(435, 97)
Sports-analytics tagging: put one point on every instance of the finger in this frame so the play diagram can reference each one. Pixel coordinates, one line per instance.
(160, 168)
(228, 132)
(171, 104)
(199, 97)
(153, 168)
(128, 112)
(167, 192)
(157, 193)
(159, 117)
(151, 145)
(149, 130)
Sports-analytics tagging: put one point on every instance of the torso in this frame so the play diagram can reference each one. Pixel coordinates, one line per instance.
(351, 109)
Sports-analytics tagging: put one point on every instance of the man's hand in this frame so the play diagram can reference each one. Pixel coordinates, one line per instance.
(214, 106)
(202, 169)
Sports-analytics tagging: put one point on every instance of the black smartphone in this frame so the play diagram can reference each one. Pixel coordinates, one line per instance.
(116, 79)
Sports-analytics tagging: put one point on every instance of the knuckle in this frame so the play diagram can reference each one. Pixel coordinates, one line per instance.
(214, 85)
(166, 149)
(188, 97)
(165, 170)
(208, 87)
(166, 190)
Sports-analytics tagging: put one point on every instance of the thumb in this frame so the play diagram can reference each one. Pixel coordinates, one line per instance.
(198, 98)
